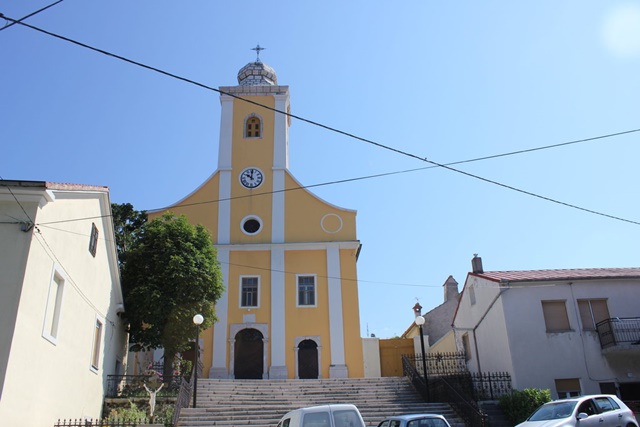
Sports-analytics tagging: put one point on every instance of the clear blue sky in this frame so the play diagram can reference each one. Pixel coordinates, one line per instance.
(444, 80)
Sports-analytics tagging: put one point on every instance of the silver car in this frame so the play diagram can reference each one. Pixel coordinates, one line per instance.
(415, 420)
(602, 410)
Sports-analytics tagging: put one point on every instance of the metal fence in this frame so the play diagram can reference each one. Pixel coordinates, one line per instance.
(440, 364)
(437, 389)
(452, 367)
(106, 422)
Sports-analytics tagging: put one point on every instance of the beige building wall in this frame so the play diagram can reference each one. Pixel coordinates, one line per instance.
(49, 372)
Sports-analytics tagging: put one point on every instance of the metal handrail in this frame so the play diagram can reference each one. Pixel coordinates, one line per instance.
(619, 330)
(441, 391)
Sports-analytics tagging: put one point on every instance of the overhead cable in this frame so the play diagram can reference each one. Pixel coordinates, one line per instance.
(332, 129)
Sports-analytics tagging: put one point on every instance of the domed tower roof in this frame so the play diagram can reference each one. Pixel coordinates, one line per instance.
(257, 74)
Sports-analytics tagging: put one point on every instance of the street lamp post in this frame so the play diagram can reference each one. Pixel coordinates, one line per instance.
(420, 321)
(197, 319)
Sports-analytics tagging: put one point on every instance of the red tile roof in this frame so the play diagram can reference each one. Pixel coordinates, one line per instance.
(567, 274)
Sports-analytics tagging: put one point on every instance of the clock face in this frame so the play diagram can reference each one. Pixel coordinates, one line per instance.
(251, 177)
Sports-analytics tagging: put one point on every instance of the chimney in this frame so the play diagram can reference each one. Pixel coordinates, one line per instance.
(450, 289)
(476, 264)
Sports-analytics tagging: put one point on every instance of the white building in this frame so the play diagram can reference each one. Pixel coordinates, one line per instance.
(60, 299)
(571, 331)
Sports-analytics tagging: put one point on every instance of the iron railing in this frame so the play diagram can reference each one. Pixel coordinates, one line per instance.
(104, 422)
(443, 391)
(619, 331)
(183, 399)
(441, 364)
(439, 390)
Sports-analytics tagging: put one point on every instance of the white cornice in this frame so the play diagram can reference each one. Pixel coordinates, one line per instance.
(302, 246)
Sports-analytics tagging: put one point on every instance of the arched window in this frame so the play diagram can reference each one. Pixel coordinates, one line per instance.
(253, 127)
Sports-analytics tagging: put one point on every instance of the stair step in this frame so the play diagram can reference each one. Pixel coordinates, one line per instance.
(258, 403)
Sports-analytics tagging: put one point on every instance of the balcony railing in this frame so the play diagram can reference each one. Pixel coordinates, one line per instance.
(619, 331)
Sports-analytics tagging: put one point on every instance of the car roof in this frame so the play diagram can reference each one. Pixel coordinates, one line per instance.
(408, 417)
(578, 398)
(333, 406)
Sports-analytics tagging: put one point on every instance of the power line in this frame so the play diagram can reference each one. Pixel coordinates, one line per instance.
(19, 21)
(332, 129)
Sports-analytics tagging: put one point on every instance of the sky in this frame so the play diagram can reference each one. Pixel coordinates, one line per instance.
(437, 80)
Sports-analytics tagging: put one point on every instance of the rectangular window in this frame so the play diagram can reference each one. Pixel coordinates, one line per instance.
(54, 308)
(592, 311)
(97, 340)
(249, 292)
(93, 240)
(568, 387)
(555, 316)
(306, 291)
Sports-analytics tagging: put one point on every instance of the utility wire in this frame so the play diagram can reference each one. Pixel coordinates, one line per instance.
(332, 129)
(19, 21)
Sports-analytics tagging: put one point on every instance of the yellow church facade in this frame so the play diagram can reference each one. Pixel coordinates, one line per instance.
(288, 258)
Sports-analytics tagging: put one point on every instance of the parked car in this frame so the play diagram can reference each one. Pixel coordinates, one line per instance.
(602, 410)
(339, 415)
(415, 420)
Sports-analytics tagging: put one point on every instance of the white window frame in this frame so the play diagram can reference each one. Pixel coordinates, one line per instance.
(315, 291)
(97, 344)
(257, 292)
(53, 310)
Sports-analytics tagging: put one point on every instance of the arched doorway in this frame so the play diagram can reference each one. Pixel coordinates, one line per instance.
(249, 354)
(308, 359)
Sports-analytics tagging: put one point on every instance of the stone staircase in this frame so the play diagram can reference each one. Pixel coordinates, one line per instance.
(261, 403)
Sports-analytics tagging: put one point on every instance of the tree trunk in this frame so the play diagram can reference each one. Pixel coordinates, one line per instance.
(169, 357)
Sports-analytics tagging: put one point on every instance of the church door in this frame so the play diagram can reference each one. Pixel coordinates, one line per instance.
(308, 360)
(249, 353)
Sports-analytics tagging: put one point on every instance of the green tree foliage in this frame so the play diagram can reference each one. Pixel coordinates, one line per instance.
(127, 223)
(171, 273)
(518, 405)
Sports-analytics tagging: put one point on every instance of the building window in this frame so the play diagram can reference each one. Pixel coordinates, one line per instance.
(592, 311)
(306, 291)
(555, 316)
(253, 127)
(249, 292)
(54, 308)
(568, 387)
(251, 225)
(97, 340)
(93, 240)
(467, 347)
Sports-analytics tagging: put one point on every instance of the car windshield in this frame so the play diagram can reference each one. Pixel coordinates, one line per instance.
(553, 411)
(427, 422)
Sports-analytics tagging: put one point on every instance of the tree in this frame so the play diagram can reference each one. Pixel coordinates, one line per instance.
(127, 223)
(171, 273)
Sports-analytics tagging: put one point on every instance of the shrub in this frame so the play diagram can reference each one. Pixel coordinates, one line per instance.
(518, 405)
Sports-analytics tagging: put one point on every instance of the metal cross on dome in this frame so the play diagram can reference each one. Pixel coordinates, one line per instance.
(258, 49)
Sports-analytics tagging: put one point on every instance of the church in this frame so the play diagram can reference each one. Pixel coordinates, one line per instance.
(288, 258)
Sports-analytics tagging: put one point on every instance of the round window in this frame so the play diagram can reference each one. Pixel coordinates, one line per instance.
(251, 225)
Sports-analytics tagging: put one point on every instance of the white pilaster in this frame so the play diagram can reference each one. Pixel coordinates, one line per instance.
(281, 133)
(219, 362)
(336, 322)
(278, 368)
(277, 206)
(226, 121)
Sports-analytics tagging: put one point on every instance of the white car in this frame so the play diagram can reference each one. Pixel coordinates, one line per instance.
(339, 415)
(602, 410)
